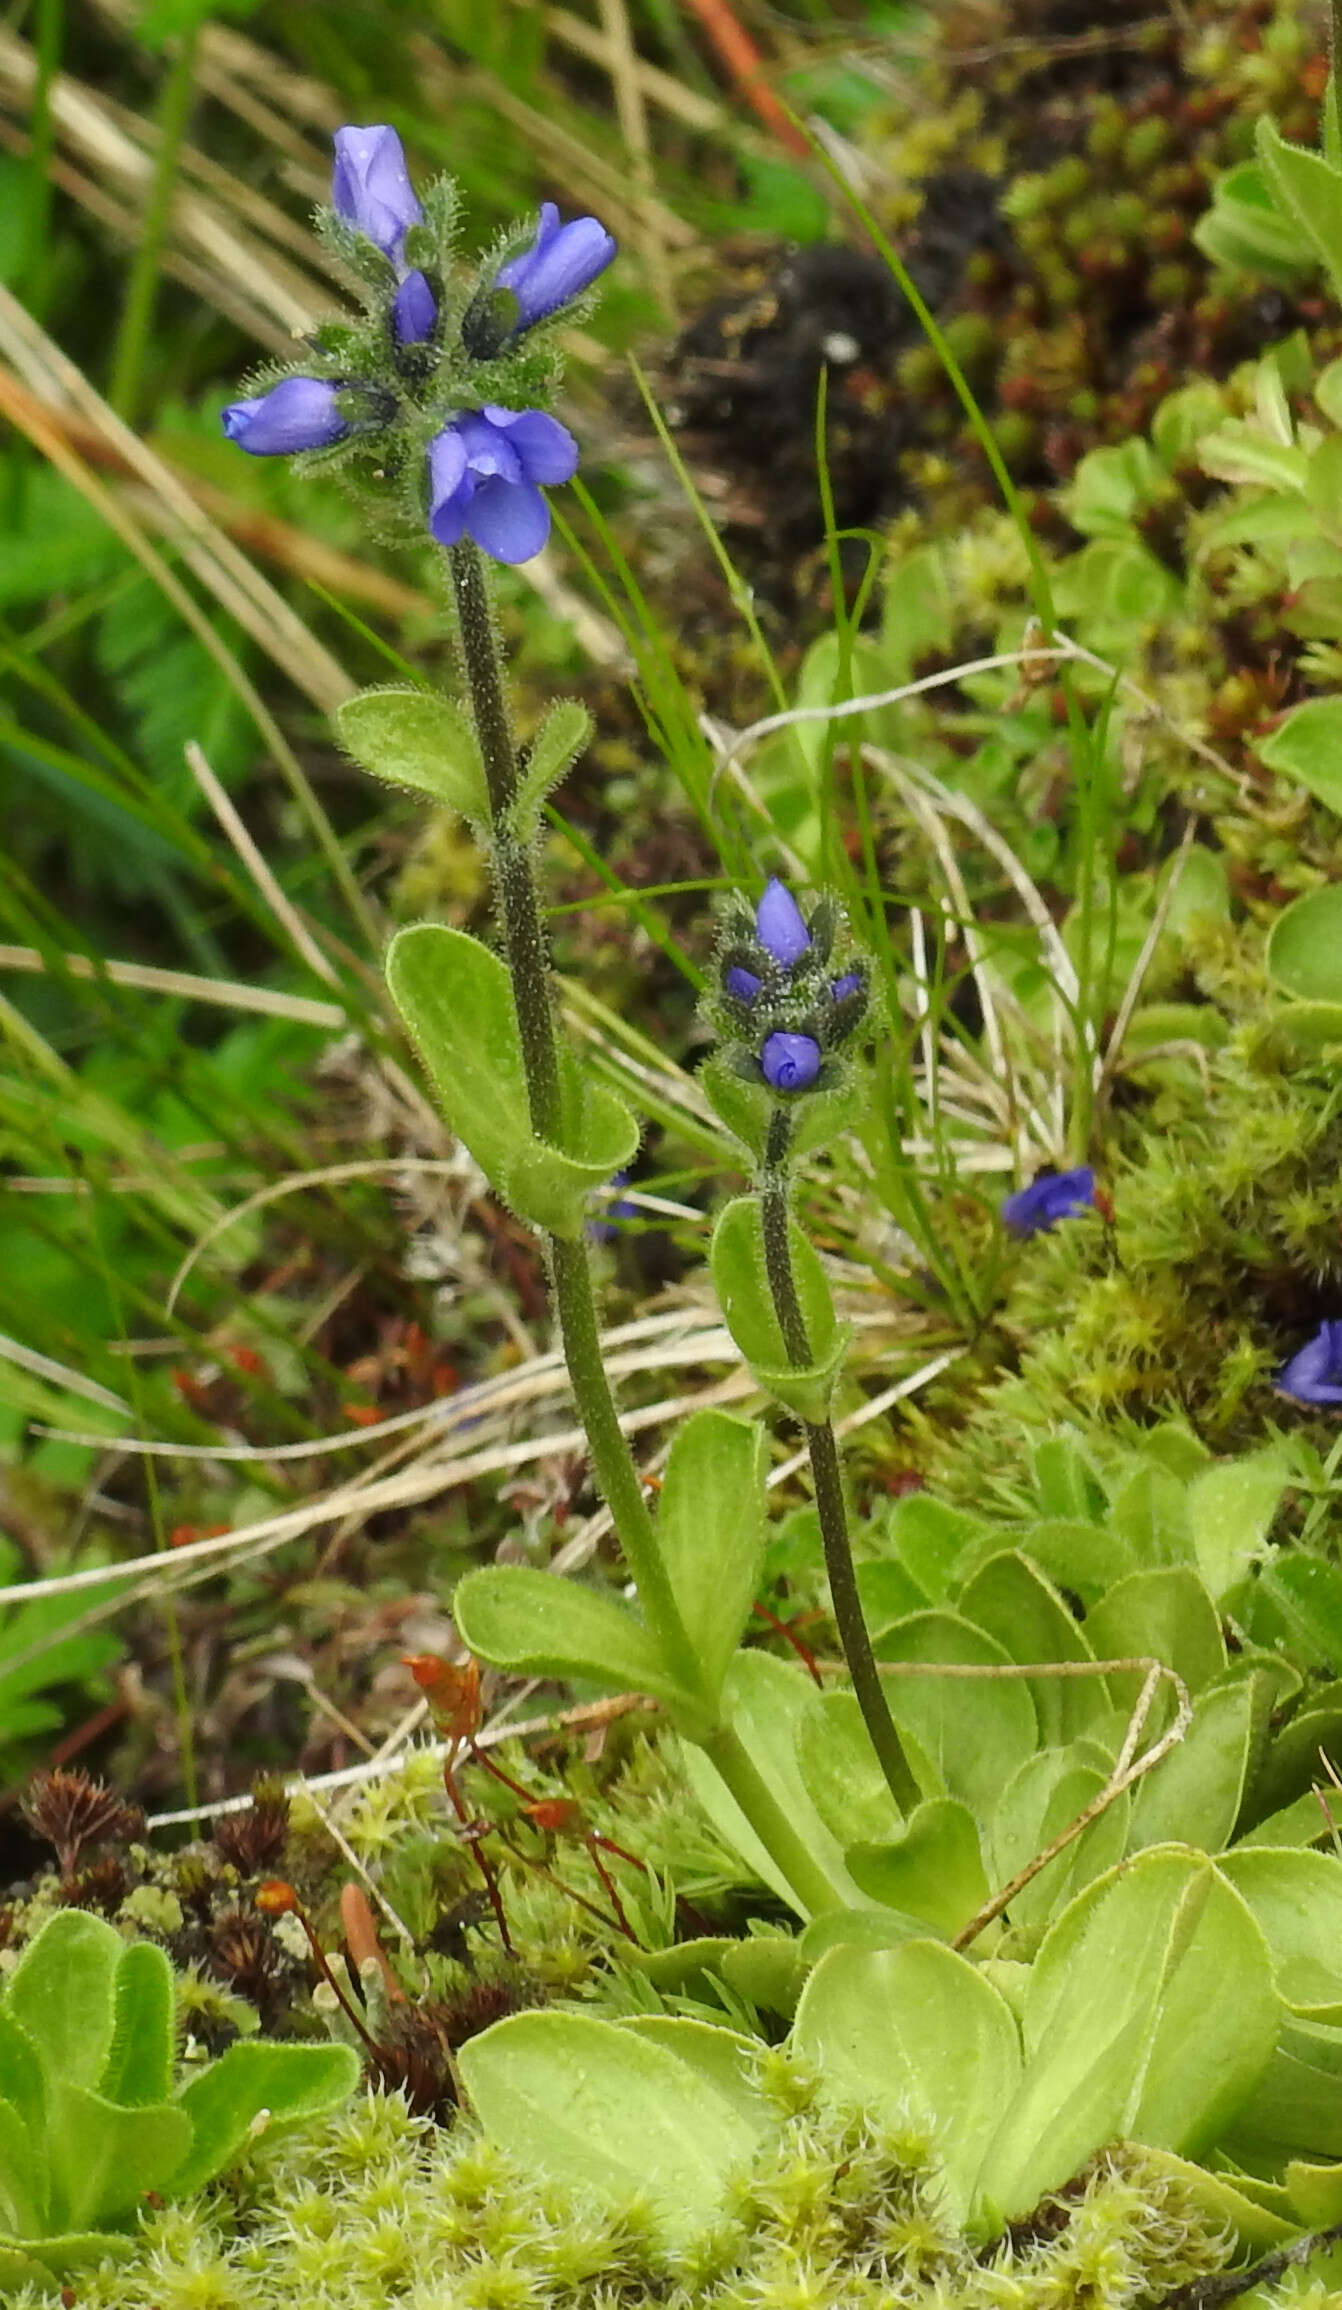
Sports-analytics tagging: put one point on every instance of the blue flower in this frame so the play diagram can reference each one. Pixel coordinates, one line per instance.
(1314, 1374)
(561, 262)
(371, 189)
(1058, 1195)
(484, 473)
(790, 1062)
(779, 925)
(300, 413)
(611, 1208)
(741, 984)
(850, 984)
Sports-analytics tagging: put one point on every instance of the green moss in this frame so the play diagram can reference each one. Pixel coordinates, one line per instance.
(380, 2208)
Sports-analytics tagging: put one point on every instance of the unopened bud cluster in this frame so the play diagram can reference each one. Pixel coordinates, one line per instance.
(785, 1005)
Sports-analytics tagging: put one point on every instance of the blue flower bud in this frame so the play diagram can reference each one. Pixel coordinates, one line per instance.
(1060, 1195)
(299, 413)
(742, 985)
(561, 262)
(790, 1062)
(850, 984)
(779, 925)
(414, 310)
(1314, 1373)
(484, 472)
(371, 188)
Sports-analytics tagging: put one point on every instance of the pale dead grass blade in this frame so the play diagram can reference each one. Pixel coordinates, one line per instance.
(285, 913)
(42, 1367)
(184, 986)
(622, 63)
(587, 1715)
(57, 384)
(281, 300)
(47, 438)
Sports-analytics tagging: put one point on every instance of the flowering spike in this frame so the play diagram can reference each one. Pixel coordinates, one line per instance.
(790, 1062)
(485, 469)
(1314, 1373)
(1059, 1195)
(779, 925)
(299, 413)
(562, 261)
(371, 189)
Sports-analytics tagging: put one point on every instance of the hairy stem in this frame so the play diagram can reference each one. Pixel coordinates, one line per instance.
(570, 1272)
(514, 873)
(529, 964)
(616, 1472)
(827, 1477)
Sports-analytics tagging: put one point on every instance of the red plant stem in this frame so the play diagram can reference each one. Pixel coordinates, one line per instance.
(485, 1867)
(608, 1881)
(745, 67)
(789, 1636)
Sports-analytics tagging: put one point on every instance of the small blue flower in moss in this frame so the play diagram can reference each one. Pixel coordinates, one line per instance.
(372, 193)
(562, 261)
(484, 474)
(790, 1062)
(299, 413)
(1314, 1374)
(741, 984)
(1059, 1195)
(779, 925)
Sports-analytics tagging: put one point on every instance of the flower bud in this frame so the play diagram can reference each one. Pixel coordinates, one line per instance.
(298, 413)
(790, 1062)
(779, 925)
(562, 261)
(371, 189)
(414, 310)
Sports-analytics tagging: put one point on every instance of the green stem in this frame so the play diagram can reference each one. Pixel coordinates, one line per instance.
(616, 1473)
(142, 288)
(514, 874)
(827, 1476)
(529, 962)
(570, 1272)
(736, 1768)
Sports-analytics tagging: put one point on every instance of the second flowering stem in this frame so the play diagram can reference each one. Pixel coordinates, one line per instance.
(827, 1477)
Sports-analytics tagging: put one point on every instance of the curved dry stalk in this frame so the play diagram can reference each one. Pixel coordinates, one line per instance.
(587, 1715)
(1129, 1766)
